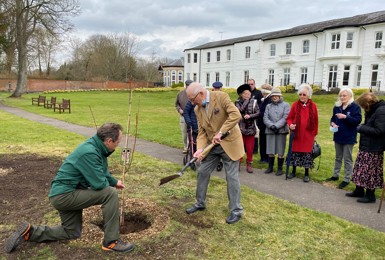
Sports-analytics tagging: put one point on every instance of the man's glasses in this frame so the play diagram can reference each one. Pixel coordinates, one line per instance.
(193, 99)
(302, 94)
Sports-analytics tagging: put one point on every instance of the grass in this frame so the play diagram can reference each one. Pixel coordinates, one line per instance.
(271, 229)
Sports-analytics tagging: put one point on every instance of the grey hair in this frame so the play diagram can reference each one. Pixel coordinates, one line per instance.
(351, 99)
(305, 86)
(109, 130)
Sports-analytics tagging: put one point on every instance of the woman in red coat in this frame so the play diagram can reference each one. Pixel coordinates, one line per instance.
(303, 120)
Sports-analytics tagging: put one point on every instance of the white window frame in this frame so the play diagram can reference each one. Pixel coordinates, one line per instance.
(218, 55)
(272, 50)
(306, 46)
(228, 78)
(207, 79)
(378, 40)
(286, 76)
(247, 52)
(374, 75)
(288, 48)
(208, 56)
(303, 75)
(332, 79)
(349, 40)
(228, 54)
(359, 71)
(335, 42)
(246, 76)
(271, 77)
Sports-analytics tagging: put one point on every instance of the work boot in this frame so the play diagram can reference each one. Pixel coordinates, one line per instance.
(23, 233)
(280, 164)
(118, 246)
(249, 169)
(369, 197)
(271, 165)
(358, 192)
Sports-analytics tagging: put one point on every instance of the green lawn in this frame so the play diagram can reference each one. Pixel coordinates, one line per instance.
(271, 229)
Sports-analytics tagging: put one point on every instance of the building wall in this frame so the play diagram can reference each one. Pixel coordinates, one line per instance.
(318, 60)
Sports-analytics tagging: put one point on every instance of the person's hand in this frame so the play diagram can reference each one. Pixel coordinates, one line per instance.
(292, 126)
(334, 124)
(274, 129)
(341, 116)
(217, 138)
(198, 154)
(181, 111)
(120, 185)
(246, 117)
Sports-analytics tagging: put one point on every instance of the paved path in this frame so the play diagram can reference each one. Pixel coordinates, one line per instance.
(311, 195)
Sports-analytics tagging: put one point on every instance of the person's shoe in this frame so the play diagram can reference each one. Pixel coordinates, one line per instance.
(249, 169)
(194, 209)
(118, 246)
(366, 199)
(233, 218)
(291, 176)
(357, 193)
(343, 184)
(185, 150)
(332, 179)
(22, 234)
(306, 178)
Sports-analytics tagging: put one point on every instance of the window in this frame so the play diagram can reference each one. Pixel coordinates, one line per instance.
(378, 42)
(373, 81)
(332, 82)
(216, 76)
(218, 55)
(359, 68)
(194, 77)
(247, 52)
(349, 40)
(180, 75)
(271, 77)
(286, 76)
(305, 46)
(207, 79)
(303, 75)
(345, 79)
(228, 54)
(336, 41)
(173, 76)
(272, 50)
(288, 48)
(188, 57)
(208, 56)
(227, 78)
(195, 57)
(245, 76)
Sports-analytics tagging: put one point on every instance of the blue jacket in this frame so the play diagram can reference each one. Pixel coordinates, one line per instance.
(190, 117)
(347, 130)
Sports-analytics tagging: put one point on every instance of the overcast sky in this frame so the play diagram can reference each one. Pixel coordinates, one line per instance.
(167, 27)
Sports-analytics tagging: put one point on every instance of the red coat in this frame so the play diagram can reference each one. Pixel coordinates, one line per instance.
(305, 131)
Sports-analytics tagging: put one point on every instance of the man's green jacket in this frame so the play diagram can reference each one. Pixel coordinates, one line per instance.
(86, 167)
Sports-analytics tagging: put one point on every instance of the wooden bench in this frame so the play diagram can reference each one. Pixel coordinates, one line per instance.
(50, 103)
(64, 105)
(40, 101)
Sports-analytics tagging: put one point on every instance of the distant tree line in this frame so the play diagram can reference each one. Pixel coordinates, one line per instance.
(31, 37)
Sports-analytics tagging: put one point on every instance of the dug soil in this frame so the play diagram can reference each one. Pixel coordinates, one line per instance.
(25, 183)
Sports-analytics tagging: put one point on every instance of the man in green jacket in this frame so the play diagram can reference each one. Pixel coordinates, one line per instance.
(82, 181)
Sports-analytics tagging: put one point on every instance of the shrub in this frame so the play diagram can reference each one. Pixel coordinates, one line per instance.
(177, 85)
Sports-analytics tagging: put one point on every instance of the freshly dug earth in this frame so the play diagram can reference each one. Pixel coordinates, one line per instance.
(25, 183)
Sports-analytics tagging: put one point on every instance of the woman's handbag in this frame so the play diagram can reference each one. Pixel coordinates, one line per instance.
(316, 150)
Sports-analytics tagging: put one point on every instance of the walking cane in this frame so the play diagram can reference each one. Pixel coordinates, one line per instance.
(288, 156)
(381, 199)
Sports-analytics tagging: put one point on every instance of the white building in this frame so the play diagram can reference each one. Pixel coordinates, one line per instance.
(172, 72)
(345, 52)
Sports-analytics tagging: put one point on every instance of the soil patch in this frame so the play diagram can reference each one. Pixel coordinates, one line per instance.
(25, 184)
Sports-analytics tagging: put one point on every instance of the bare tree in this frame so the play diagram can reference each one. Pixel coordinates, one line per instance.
(52, 15)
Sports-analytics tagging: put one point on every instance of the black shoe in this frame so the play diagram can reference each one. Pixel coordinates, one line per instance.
(332, 179)
(118, 246)
(22, 234)
(306, 178)
(366, 200)
(343, 184)
(291, 176)
(356, 194)
(194, 209)
(233, 218)
(279, 173)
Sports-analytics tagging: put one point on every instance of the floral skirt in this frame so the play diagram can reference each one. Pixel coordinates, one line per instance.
(367, 170)
(302, 160)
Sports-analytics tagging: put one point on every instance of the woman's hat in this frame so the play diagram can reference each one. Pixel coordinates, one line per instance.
(242, 88)
(276, 92)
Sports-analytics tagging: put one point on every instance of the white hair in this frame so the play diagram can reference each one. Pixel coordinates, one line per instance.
(350, 93)
(305, 86)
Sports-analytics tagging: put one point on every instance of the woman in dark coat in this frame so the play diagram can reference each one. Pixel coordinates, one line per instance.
(368, 168)
(249, 110)
(303, 120)
(344, 121)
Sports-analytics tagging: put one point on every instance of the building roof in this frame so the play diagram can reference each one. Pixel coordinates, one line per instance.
(354, 21)
(175, 63)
